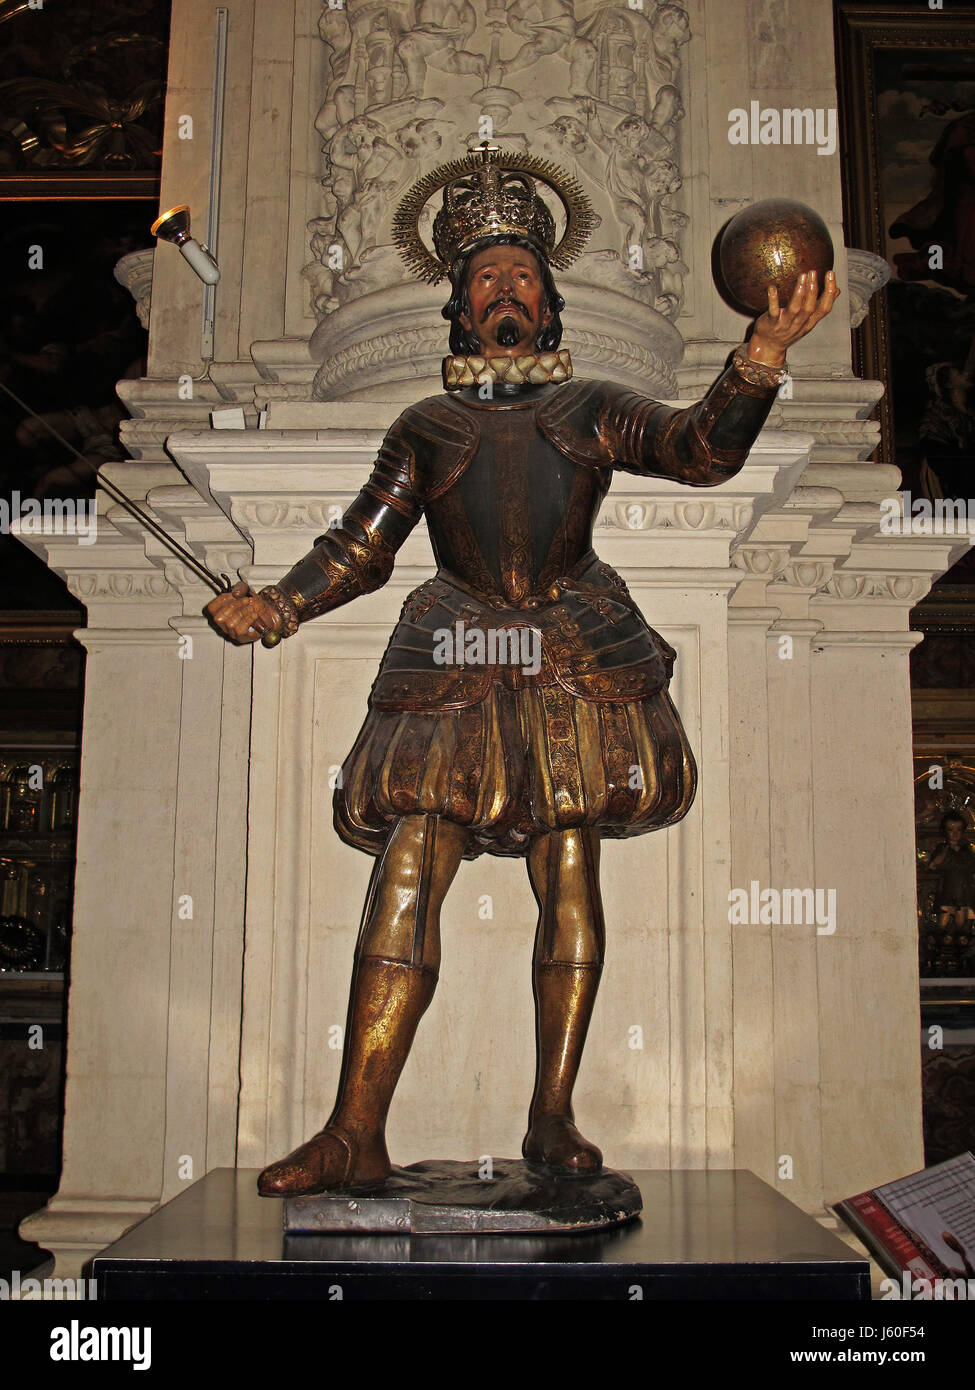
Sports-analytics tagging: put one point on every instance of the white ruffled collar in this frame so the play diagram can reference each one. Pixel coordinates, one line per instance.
(532, 369)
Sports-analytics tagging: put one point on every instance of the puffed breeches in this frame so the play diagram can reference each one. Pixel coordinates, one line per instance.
(518, 764)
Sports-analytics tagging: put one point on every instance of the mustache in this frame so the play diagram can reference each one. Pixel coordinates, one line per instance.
(507, 301)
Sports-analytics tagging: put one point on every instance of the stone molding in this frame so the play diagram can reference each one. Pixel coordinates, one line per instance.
(134, 273)
(866, 274)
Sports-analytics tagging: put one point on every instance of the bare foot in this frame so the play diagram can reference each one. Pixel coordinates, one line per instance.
(331, 1160)
(554, 1139)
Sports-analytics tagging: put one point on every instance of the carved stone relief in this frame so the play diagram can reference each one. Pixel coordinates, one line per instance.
(413, 83)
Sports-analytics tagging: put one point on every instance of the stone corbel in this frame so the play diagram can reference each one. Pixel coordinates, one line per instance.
(866, 274)
(134, 273)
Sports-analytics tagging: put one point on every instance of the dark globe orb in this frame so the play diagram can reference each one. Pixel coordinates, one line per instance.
(770, 243)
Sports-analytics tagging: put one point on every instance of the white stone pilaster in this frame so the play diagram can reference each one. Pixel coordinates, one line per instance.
(153, 1025)
(821, 1050)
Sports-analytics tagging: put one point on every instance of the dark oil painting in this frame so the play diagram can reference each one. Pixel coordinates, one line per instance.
(926, 134)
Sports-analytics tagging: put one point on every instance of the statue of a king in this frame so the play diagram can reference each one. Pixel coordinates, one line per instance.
(522, 705)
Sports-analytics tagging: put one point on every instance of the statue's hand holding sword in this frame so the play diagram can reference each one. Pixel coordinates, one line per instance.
(242, 616)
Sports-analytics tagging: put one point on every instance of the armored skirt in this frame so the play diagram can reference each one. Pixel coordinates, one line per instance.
(530, 756)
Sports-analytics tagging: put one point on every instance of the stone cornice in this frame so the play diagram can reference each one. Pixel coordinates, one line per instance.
(282, 488)
(258, 499)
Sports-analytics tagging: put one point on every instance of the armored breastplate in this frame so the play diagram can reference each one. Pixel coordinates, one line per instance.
(520, 513)
(510, 516)
(511, 489)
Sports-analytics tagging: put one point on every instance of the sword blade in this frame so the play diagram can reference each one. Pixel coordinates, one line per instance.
(219, 584)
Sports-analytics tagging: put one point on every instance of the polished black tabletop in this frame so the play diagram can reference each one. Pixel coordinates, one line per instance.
(702, 1234)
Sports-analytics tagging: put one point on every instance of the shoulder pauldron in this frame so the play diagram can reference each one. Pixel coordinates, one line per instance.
(570, 420)
(443, 439)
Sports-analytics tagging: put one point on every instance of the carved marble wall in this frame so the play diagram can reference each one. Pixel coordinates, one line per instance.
(329, 113)
(410, 85)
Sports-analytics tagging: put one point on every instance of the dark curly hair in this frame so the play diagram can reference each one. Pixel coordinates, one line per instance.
(463, 341)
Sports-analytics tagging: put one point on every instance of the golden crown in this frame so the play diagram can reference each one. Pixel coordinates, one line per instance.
(488, 193)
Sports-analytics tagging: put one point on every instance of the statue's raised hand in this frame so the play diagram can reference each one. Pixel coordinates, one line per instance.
(240, 615)
(784, 324)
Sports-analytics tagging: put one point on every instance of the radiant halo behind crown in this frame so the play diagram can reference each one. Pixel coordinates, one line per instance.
(491, 192)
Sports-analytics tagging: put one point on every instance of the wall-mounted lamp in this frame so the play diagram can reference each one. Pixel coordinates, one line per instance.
(174, 226)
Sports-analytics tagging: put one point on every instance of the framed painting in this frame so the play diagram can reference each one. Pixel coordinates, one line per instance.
(906, 79)
(82, 88)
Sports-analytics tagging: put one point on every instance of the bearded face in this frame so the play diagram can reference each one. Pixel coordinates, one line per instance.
(508, 304)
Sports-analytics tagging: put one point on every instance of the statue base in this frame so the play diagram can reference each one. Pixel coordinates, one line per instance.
(712, 1234)
(446, 1197)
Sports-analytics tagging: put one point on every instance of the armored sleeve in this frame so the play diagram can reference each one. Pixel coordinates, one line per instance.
(357, 556)
(703, 444)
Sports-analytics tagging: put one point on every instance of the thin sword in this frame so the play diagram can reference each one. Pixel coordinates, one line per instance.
(218, 585)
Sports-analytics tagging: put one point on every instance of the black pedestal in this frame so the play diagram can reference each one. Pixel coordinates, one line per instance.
(710, 1234)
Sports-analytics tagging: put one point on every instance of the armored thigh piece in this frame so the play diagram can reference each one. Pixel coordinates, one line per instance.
(401, 918)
